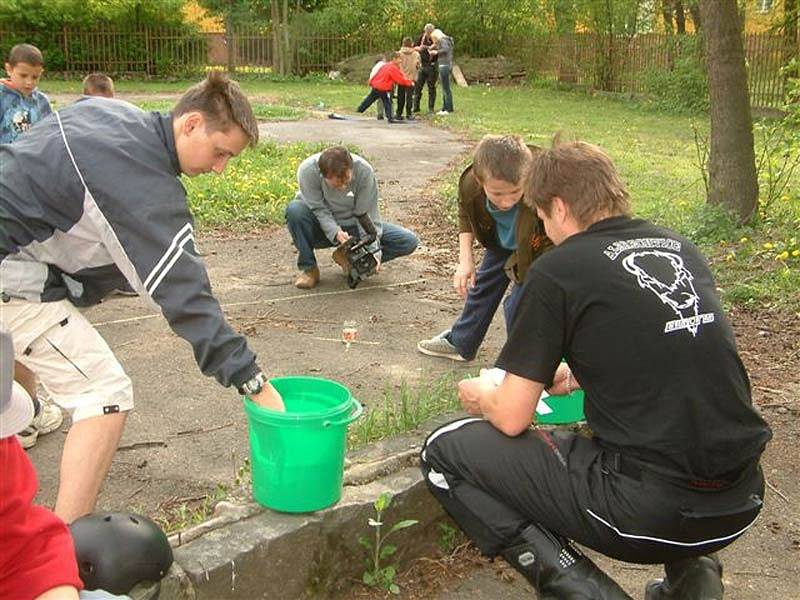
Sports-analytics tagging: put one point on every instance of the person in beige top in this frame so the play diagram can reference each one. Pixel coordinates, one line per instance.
(409, 63)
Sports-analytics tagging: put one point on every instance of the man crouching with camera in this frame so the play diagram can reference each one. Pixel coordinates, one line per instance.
(337, 201)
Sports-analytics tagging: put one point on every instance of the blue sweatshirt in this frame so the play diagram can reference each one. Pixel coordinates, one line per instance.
(18, 113)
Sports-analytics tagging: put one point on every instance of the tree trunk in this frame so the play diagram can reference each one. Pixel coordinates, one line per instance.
(731, 165)
(666, 13)
(791, 36)
(287, 50)
(680, 17)
(275, 18)
(229, 43)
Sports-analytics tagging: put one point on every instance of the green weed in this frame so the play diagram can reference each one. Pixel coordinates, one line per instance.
(404, 409)
(378, 573)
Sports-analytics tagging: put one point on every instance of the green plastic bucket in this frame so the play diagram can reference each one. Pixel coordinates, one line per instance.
(297, 456)
(565, 409)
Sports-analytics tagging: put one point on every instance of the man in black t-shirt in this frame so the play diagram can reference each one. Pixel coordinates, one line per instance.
(671, 474)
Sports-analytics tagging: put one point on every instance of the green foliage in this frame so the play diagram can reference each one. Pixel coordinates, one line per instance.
(42, 22)
(404, 409)
(449, 537)
(53, 14)
(255, 188)
(685, 86)
(378, 573)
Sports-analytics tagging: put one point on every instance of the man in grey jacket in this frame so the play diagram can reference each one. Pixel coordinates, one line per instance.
(336, 187)
(90, 202)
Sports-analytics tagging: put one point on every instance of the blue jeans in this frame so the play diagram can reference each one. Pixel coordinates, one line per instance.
(447, 94)
(373, 95)
(483, 298)
(307, 234)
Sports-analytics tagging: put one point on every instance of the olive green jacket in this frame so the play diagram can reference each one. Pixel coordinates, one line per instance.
(473, 217)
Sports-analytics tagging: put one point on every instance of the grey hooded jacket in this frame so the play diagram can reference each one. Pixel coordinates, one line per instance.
(90, 199)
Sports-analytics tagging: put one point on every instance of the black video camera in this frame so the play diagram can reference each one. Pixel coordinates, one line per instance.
(362, 262)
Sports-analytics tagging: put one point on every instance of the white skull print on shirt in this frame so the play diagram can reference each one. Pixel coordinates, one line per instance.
(664, 273)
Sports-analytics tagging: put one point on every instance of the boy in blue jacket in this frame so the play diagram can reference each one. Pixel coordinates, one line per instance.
(21, 103)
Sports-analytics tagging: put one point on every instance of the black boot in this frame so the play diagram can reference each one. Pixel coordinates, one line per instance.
(558, 570)
(697, 578)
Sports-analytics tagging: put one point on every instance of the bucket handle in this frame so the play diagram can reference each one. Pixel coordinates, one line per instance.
(349, 418)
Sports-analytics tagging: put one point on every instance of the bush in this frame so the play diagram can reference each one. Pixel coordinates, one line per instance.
(685, 86)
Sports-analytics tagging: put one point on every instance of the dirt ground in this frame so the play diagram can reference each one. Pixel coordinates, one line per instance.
(188, 435)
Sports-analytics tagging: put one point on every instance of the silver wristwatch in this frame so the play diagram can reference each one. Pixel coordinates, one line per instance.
(253, 386)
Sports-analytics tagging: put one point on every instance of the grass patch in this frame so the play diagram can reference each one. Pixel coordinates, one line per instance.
(262, 110)
(254, 189)
(177, 514)
(404, 409)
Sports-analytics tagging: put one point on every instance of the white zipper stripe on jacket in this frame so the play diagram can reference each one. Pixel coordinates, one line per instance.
(672, 542)
(91, 208)
(186, 229)
(178, 253)
(69, 151)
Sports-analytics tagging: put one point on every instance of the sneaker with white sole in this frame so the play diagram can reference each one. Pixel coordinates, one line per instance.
(439, 346)
(48, 420)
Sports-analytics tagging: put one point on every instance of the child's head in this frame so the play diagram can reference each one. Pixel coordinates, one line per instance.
(24, 67)
(501, 164)
(407, 42)
(397, 57)
(98, 84)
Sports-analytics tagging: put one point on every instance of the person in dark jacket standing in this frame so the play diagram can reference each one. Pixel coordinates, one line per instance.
(90, 202)
(671, 472)
(428, 72)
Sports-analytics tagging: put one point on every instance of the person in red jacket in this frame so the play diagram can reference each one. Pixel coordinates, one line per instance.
(381, 86)
(37, 558)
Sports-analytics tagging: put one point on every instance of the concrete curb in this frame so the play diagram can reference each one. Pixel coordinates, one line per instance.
(246, 551)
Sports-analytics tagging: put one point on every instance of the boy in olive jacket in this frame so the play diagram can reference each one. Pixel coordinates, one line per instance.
(489, 209)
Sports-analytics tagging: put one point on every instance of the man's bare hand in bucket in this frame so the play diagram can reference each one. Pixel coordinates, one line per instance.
(269, 397)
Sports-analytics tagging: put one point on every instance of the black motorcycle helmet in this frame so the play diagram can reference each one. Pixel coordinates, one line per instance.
(115, 551)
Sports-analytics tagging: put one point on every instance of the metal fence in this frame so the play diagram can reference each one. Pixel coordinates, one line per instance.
(613, 63)
(629, 64)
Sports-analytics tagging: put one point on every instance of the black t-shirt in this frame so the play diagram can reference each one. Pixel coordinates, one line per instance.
(634, 310)
(425, 57)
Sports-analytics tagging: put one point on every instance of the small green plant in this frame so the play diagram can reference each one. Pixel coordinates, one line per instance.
(448, 538)
(379, 574)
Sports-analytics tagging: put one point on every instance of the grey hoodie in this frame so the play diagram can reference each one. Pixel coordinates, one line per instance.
(445, 51)
(90, 199)
(335, 208)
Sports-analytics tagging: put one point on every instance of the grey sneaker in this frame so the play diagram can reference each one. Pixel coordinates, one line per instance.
(439, 346)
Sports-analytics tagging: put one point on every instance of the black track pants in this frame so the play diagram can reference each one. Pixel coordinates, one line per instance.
(428, 75)
(494, 486)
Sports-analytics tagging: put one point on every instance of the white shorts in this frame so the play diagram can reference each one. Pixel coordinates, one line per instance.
(71, 360)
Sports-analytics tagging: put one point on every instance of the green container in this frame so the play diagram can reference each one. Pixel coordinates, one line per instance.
(297, 456)
(566, 409)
